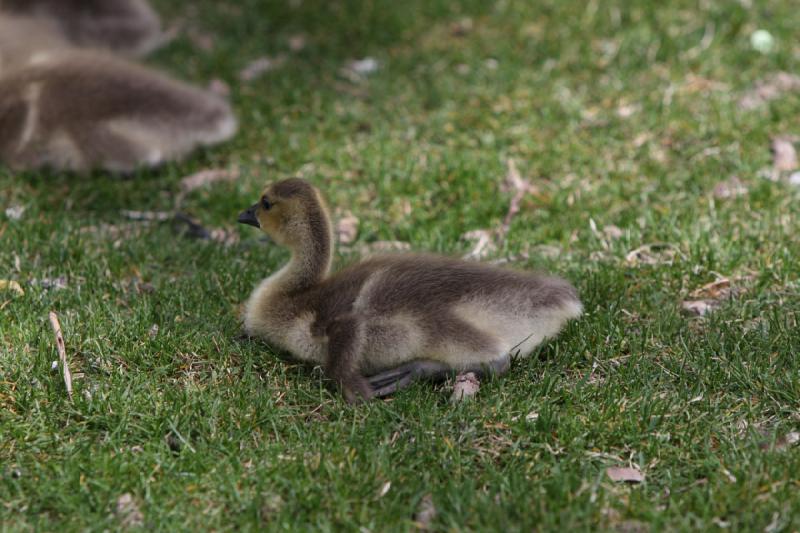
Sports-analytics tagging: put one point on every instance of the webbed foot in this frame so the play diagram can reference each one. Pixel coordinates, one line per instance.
(392, 380)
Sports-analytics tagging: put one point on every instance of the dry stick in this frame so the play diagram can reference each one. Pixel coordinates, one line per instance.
(521, 187)
(513, 209)
(62, 352)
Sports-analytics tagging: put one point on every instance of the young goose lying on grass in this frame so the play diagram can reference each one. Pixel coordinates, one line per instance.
(394, 318)
(22, 38)
(129, 27)
(79, 110)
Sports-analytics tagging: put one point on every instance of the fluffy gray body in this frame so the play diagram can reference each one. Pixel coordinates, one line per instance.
(129, 27)
(409, 307)
(80, 110)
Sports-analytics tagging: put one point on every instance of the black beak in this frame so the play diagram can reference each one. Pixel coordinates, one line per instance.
(249, 216)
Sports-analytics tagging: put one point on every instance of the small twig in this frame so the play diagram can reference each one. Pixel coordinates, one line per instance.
(62, 352)
(514, 182)
(513, 209)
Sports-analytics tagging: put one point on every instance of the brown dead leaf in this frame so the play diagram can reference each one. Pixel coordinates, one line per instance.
(652, 254)
(711, 295)
(766, 90)
(127, 512)
(624, 473)
(466, 386)
(730, 188)
(784, 155)
(426, 512)
(207, 177)
(347, 228)
(261, 66)
(715, 290)
(721, 288)
(11, 285)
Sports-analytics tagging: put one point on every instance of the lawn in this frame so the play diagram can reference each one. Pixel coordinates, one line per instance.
(626, 118)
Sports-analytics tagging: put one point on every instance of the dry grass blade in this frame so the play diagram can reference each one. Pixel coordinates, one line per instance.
(384, 489)
(62, 352)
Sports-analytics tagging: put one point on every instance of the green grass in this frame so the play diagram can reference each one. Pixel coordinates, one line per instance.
(207, 431)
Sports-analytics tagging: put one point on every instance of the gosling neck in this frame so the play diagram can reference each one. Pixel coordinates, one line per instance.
(312, 254)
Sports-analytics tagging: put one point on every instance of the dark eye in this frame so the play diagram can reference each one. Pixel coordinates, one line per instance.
(265, 203)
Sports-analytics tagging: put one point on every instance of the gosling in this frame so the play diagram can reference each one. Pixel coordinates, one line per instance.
(82, 110)
(379, 325)
(127, 27)
(22, 38)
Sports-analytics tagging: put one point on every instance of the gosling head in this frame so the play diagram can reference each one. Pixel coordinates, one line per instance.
(292, 213)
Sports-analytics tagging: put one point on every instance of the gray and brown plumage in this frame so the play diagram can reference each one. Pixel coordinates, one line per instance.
(382, 323)
(79, 110)
(128, 27)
